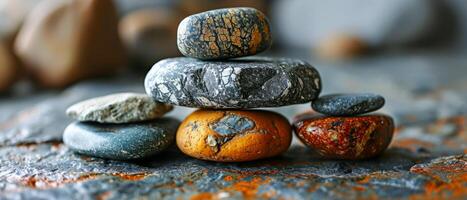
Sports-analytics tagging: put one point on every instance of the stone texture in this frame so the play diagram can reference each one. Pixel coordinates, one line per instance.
(234, 135)
(240, 83)
(62, 42)
(121, 141)
(356, 137)
(150, 35)
(224, 33)
(118, 108)
(348, 104)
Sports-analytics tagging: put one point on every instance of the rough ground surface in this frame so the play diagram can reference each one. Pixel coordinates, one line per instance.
(425, 160)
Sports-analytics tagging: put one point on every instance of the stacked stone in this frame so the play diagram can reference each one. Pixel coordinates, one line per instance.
(345, 130)
(121, 126)
(225, 86)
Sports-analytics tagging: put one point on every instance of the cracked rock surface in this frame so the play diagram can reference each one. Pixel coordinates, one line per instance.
(240, 83)
(224, 33)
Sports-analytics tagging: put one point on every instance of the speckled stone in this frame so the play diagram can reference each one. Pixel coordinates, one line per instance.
(118, 108)
(224, 33)
(240, 83)
(350, 138)
(121, 141)
(234, 135)
(347, 104)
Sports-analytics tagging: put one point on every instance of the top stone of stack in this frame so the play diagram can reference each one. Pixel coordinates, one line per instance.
(224, 33)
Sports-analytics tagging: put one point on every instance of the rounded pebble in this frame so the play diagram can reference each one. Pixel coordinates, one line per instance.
(239, 83)
(350, 138)
(121, 141)
(234, 135)
(347, 104)
(224, 33)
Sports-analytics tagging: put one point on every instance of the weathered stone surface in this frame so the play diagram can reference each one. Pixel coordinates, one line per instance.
(240, 83)
(64, 41)
(121, 141)
(224, 33)
(356, 137)
(234, 135)
(348, 104)
(150, 35)
(118, 108)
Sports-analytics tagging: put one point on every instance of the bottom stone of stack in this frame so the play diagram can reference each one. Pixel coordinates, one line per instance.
(356, 137)
(121, 141)
(234, 135)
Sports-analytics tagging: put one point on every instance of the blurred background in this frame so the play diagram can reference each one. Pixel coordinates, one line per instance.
(54, 53)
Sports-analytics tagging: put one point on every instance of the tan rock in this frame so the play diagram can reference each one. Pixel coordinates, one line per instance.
(8, 67)
(150, 34)
(64, 41)
(341, 46)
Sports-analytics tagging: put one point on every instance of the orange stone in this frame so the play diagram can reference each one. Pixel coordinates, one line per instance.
(234, 135)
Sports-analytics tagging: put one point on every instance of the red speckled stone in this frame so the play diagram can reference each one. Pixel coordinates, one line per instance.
(356, 137)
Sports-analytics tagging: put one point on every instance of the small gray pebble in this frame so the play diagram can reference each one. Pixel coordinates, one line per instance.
(347, 104)
(121, 141)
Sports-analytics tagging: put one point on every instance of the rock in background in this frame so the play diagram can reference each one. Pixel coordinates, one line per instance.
(63, 42)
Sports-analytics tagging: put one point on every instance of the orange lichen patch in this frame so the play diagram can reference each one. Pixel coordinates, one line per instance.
(203, 196)
(44, 183)
(249, 189)
(131, 177)
(439, 190)
(255, 39)
(411, 144)
(32, 145)
(228, 178)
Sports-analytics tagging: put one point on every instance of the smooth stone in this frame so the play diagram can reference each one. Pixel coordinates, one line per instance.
(234, 135)
(240, 83)
(121, 141)
(118, 108)
(224, 33)
(150, 34)
(341, 47)
(349, 138)
(347, 104)
(65, 41)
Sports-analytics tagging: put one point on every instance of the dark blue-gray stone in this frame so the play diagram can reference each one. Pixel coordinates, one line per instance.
(121, 141)
(347, 104)
(250, 82)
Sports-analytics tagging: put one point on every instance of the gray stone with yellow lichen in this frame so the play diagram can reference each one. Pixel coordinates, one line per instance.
(224, 33)
(239, 83)
(118, 108)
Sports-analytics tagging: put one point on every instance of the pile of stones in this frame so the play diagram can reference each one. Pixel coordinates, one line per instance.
(228, 87)
(123, 126)
(214, 77)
